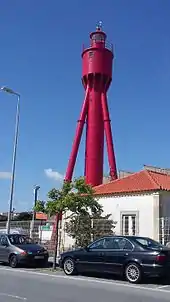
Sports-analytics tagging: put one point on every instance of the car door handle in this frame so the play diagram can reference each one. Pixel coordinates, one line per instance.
(126, 254)
(101, 254)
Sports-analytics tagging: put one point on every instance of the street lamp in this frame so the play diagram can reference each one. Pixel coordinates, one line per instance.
(36, 188)
(10, 91)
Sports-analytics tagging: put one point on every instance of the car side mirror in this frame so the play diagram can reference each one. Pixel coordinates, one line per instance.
(86, 249)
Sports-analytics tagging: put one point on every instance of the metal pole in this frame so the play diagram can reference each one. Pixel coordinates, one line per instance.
(35, 201)
(13, 163)
(33, 215)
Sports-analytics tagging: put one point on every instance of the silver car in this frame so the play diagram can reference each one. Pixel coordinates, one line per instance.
(18, 249)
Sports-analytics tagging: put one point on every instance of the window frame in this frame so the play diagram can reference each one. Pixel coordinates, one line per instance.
(112, 237)
(138, 238)
(133, 246)
(91, 244)
(129, 213)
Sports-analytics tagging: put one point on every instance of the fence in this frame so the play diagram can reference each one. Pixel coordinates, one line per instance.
(80, 232)
(71, 233)
(164, 230)
(75, 232)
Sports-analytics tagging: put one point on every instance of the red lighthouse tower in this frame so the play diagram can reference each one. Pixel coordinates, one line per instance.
(96, 79)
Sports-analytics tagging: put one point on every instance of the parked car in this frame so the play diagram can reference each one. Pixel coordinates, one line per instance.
(18, 249)
(130, 256)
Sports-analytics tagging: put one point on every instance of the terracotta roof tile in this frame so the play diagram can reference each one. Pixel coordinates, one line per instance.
(144, 180)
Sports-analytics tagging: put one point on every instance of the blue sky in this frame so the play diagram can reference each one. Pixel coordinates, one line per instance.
(40, 49)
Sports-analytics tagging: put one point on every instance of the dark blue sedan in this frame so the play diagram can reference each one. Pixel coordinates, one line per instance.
(129, 256)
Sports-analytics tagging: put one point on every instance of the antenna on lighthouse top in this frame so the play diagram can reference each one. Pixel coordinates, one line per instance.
(99, 26)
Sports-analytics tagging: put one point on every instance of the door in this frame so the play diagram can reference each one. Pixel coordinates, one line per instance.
(4, 248)
(118, 250)
(92, 259)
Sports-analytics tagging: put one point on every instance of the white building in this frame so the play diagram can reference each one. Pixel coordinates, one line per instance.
(139, 203)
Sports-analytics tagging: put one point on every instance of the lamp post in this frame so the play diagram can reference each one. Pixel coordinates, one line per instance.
(36, 188)
(10, 91)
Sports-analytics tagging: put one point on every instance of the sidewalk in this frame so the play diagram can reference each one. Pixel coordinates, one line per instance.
(51, 259)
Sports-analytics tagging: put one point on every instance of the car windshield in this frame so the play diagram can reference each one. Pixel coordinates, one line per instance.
(147, 242)
(19, 239)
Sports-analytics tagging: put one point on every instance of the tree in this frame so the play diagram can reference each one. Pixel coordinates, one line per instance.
(85, 228)
(76, 198)
(23, 216)
(102, 226)
(79, 228)
(40, 204)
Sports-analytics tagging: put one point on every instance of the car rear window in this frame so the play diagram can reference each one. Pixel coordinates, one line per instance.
(149, 243)
(19, 239)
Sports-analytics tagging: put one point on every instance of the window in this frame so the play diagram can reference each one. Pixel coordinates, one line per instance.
(91, 54)
(126, 225)
(19, 239)
(3, 240)
(114, 243)
(105, 243)
(111, 243)
(142, 241)
(147, 242)
(125, 244)
(133, 225)
(98, 37)
(97, 244)
(129, 224)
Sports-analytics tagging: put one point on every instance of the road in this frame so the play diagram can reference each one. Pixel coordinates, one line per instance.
(20, 285)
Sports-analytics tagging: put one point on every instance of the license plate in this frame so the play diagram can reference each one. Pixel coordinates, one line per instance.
(39, 257)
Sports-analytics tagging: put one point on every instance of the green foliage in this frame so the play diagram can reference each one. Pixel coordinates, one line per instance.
(76, 197)
(23, 216)
(79, 228)
(84, 228)
(102, 226)
(40, 206)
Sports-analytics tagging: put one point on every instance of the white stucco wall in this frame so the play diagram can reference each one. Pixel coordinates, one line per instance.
(143, 204)
(147, 209)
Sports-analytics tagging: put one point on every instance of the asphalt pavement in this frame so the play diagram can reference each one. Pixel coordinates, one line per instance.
(32, 286)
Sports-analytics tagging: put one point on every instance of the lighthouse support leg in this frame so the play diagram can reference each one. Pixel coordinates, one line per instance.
(94, 138)
(76, 143)
(109, 140)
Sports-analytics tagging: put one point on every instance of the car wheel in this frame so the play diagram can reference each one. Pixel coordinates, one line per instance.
(133, 273)
(13, 262)
(69, 267)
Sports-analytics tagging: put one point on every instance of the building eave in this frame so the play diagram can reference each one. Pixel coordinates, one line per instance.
(133, 193)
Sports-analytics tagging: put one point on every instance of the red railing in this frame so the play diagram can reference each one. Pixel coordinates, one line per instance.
(107, 45)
